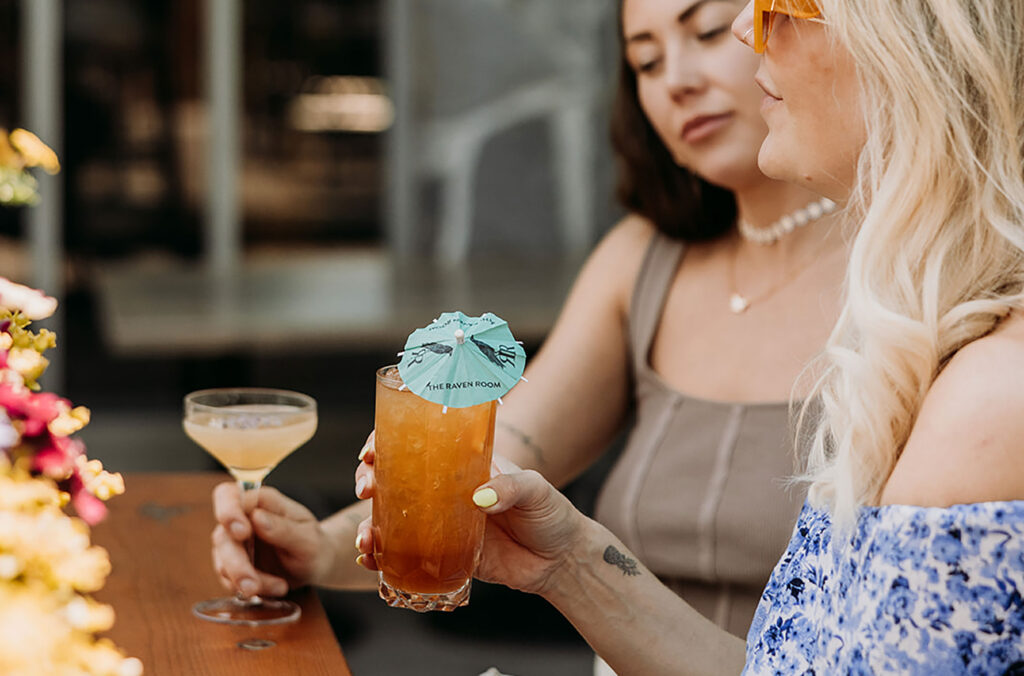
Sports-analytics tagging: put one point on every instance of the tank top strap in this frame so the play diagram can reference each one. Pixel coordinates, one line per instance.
(649, 293)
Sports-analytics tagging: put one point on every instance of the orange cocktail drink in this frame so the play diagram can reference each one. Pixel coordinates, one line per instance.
(427, 531)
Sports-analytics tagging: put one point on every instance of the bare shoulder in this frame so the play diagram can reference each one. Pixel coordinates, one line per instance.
(617, 258)
(967, 444)
(628, 239)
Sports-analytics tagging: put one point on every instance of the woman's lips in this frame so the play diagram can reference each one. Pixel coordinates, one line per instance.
(770, 99)
(764, 87)
(768, 102)
(699, 128)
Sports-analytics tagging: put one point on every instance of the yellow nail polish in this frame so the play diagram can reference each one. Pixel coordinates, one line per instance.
(361, 560)
(362, 453)
(485, 497)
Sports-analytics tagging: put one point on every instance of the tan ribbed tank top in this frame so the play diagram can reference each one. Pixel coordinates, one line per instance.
(698, 491)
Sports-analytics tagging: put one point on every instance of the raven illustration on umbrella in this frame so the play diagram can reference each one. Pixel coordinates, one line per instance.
(460, 361)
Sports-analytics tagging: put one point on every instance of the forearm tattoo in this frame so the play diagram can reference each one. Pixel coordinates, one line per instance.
(621, 561)
(525, 440)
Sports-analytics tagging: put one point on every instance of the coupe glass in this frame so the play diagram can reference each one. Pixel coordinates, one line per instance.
(249, 431)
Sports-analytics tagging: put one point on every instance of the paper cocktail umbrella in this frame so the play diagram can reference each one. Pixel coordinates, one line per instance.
(460, 361)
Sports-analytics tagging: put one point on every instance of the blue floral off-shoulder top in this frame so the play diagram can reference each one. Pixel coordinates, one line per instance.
(911, 590)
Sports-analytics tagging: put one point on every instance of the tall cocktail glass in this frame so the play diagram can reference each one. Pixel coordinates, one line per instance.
(249, 431)
(428, 462)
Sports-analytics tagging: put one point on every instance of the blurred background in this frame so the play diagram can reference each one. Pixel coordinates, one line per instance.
(276, 193)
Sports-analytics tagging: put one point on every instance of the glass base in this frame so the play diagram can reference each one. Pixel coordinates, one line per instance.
(422, 603)
(255, 612)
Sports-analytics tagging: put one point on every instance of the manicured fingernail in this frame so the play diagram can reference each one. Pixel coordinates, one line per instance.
(248, 586)
(366, 449)
(361, 560)
(360, 485)
(359, 541)
(485, 497)
(238, 530)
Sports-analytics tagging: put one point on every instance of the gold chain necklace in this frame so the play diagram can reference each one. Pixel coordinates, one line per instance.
(739, 303)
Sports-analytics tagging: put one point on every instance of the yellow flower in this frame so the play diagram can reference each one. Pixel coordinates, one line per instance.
(39, 638)
(107, 485)
(31, 632)
(48, 565)
(68, 422)
(104, 485)
(87, 615)
(86, 571)
(8, 155)
(21, 493)
(27, 362)
(10, 567)
(35, 152)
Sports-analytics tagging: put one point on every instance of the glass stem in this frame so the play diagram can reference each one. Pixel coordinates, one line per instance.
(249, 492)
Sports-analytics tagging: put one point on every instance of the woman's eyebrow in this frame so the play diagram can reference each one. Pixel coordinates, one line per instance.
(683, 17)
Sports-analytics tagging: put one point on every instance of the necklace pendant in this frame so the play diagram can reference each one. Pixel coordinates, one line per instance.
(738, 304)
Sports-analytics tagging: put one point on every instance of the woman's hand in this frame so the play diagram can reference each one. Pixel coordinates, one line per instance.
(537, 542)
(292, 550)
(530, 528)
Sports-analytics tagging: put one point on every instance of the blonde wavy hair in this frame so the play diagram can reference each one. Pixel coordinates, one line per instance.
(939, 257)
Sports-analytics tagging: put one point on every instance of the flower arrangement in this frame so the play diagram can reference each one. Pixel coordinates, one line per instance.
(48, 567)
(20, 150)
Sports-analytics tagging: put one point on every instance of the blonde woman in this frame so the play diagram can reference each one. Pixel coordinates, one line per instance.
(909, 555)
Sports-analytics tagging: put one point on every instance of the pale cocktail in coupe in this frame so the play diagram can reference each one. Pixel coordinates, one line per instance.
(249, 431)
(251, 439)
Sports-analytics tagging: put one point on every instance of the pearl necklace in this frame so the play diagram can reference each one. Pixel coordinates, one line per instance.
(787, 223)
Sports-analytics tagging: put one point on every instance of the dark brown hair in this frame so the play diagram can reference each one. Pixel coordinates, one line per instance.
(677, 201)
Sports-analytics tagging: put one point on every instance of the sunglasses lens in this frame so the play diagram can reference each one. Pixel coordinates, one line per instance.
(763, 21)
(765, 12)
(760, 9)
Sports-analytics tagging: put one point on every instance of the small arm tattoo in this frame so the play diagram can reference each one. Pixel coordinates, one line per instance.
(525, 440)
(621, 561)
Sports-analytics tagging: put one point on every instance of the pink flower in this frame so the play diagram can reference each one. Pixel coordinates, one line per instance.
(14, 399)
(42, 407)
(51, 463)
(36, 410)
(57, 461)
(90, 508)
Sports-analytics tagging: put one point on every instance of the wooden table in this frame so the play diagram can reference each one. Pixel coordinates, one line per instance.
(158, 538)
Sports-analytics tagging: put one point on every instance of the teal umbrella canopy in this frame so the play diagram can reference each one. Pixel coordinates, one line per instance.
(461, 361)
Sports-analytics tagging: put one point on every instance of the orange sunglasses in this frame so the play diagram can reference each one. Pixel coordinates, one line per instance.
(765, 11)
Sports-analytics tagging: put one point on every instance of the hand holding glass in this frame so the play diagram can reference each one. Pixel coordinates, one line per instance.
(249, 431)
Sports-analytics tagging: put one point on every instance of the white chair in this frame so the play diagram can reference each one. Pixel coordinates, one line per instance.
(463, 72)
